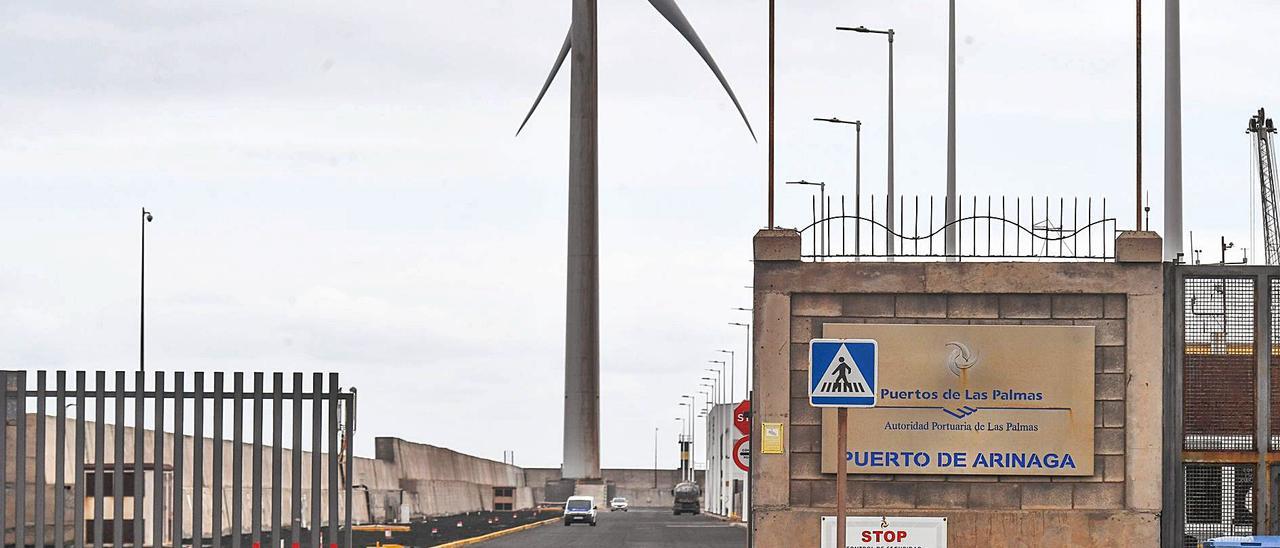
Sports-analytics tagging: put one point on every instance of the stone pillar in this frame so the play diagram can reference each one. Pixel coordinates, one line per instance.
(1138, 246)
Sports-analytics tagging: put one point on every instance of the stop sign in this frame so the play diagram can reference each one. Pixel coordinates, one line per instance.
(741, 418)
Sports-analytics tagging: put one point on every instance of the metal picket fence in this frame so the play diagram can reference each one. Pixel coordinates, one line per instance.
(129, 476)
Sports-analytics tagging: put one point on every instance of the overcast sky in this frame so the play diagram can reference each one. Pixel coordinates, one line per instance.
(337, 187)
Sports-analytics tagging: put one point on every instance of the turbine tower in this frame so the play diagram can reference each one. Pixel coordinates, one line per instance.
(582, 314)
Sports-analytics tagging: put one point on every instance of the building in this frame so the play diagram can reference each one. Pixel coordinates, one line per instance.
(724, 490)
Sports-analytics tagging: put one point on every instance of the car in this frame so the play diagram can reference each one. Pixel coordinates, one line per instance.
(618, 503)
(579, 510)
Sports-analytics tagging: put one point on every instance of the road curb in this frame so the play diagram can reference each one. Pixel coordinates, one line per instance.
(494, 535)
(735, 521)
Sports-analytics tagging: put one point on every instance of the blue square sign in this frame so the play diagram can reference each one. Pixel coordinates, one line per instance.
(843, 372)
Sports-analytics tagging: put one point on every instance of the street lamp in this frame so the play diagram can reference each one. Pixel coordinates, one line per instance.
(719, 381)
(722, 365)
(712, 388)
(820, 212)
(689, 404)
(747, 381)
(857, 179)
(655, 457)
(732, 367)
(889, 33)
(142, 293)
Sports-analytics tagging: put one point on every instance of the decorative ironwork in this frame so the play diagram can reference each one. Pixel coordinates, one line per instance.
(996, 228)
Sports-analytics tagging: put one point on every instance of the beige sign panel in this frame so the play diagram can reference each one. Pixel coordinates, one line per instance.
(771, 438)
(972, 399)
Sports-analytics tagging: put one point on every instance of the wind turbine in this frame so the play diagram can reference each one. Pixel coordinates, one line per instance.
(582, 315)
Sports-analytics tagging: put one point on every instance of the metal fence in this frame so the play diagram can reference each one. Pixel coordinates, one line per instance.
(987, 228)
(127, 479)
(1221, 389)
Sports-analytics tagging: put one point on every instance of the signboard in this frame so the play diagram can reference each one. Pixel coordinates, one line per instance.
(771, 438)
(972, 399)
(742, 418)
(842, 373)
(742, 453)
(886, 532)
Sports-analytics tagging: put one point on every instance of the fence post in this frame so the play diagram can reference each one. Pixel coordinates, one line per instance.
(1262, 349)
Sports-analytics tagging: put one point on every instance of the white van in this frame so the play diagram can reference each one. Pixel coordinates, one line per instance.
(579, 509)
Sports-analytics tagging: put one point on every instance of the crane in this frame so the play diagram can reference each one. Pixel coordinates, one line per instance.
(1262, 128)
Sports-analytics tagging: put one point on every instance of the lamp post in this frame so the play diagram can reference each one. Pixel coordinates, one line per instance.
(746, 382)
(655, 457)
(857, 179)
(711, 392)
(142, 293)
(889, 212)
(732, 369)
(820, 211)
(714, 386)
(722, 365)
(719, 380)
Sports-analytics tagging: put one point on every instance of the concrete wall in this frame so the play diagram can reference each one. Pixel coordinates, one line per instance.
(1118, 506)
(430, 480)
(438, 481)
(188, 443)
(636, 485)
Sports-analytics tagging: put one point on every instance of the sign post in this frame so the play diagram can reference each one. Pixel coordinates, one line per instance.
(842, 374)
(842, 471)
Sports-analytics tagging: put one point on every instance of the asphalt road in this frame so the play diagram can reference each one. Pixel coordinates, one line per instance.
(639, 528)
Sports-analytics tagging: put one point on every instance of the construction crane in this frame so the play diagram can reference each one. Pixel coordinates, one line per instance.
(1262, 128)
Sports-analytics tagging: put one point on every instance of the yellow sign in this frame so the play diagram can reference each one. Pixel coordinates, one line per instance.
(972, 399)
(771, 438)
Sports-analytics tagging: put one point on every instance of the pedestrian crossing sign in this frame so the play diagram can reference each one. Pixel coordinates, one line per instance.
(843, 372)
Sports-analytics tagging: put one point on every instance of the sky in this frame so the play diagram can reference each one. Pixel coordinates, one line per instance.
(341, 189)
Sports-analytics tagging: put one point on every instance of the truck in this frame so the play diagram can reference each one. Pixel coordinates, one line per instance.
(686, 498)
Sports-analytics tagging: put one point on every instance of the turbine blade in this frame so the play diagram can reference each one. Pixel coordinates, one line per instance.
(672, 13)
(564, 52)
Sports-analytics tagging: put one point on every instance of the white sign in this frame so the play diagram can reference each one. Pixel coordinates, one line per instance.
(742, 453)
(842, 373)
(886, 532)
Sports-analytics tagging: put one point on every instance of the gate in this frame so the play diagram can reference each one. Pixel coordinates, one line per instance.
(1222, 429)
(143, 465)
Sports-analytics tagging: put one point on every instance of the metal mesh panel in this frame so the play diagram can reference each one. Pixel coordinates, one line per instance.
(1219, 364)
(1219, 501)
(1275, 365)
